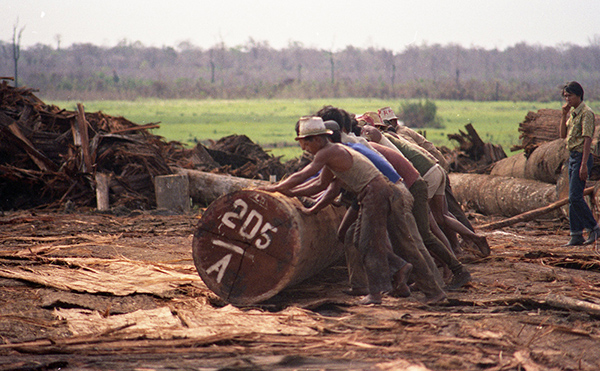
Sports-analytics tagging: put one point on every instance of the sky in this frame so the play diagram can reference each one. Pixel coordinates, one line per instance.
(323, 24)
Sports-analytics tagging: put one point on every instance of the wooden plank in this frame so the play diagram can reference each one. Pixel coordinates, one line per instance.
(102, 199)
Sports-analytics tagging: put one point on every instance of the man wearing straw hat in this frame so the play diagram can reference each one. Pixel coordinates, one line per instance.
(381, 214)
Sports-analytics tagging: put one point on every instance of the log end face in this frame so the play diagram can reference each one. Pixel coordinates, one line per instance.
(244, 246)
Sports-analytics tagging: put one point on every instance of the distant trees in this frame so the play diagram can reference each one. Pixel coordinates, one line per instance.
(254, 69)
(419, 114)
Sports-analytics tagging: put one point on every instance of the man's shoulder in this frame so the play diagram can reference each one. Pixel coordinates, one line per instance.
(331, 148)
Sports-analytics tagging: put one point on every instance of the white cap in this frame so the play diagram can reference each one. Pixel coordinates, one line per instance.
(387, 113)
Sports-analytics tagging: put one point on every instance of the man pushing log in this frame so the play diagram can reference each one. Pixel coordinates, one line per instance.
(384, 211)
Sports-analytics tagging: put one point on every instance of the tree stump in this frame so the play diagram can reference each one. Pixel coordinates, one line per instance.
(172, 192)
(250, 245)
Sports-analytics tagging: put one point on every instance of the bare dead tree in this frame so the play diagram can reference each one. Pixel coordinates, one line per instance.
(332, 67)
(16, 49)
(58, 39)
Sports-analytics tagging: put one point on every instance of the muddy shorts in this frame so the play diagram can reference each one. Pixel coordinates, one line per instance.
(436, 181)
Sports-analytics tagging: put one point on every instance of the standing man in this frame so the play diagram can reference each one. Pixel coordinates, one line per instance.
(577, 126)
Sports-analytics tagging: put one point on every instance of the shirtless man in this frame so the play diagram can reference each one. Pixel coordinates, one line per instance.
(380, 214)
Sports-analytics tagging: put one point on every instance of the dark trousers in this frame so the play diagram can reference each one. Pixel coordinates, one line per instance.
(580, 215)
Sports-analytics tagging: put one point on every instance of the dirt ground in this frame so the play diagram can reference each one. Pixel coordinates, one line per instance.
(515, 315)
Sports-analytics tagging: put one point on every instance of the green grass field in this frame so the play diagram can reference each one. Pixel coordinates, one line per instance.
(270, 123)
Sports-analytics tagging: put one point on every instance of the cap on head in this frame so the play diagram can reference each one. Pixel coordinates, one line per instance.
(311, 126)
(332, 125)
(387, 113)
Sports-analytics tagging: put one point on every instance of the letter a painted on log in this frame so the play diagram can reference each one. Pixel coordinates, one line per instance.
(220, 267)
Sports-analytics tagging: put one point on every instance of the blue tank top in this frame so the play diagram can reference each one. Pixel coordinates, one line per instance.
(379, 161)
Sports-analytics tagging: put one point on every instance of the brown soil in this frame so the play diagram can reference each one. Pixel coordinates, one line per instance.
(504, 320)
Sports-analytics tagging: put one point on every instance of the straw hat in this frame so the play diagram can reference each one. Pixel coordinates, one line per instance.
(311, 126)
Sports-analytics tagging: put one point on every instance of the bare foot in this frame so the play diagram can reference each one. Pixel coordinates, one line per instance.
(434, 299)
(459, 280)
(400, 281)
(482, 245)
(356, 291)
(370, 299)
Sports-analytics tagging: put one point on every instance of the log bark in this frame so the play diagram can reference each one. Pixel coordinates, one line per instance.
(507, 196)
(565, 302)
(250, 245)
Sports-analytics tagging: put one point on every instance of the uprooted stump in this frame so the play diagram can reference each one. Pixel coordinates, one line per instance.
(250, 245)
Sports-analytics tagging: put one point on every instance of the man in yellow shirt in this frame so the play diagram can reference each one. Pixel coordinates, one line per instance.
(577, 126)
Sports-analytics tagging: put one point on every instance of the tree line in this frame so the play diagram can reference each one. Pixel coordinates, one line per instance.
(255, 70)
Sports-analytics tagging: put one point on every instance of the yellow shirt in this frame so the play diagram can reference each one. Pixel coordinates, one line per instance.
(579, 125)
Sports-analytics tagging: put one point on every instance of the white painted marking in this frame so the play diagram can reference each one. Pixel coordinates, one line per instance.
(232, 247)
(220, 267)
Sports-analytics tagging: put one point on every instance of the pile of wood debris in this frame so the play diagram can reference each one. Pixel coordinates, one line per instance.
(472, 155)
(49, 156)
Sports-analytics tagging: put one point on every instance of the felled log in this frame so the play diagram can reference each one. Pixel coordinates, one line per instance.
(543, 164)
(506, 196)
(533, 214)
(206, 187)
(250, 245)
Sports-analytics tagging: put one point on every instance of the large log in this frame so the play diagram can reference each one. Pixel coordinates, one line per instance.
(206, 187)
(533, 214)
(250, 245)
(506, 196)
(544, 164)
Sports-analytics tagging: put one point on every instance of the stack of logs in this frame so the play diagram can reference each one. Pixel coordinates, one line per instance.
(531, 179)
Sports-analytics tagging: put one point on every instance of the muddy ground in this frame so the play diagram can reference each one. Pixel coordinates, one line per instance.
(515, 315)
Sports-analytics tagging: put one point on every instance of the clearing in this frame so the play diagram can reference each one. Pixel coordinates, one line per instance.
(90, 291)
